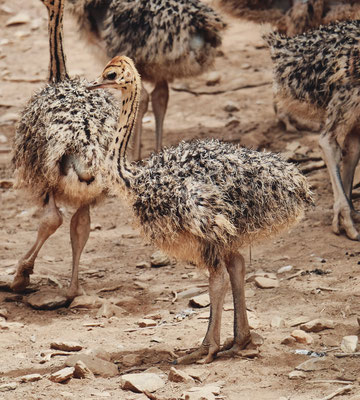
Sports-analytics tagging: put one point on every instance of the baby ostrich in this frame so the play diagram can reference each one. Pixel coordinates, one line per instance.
(201, 201)
(317, 73)
(167, 39)
(59, 152)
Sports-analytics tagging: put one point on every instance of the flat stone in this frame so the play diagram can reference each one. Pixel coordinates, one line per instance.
(297, 375)
(313, 364)
(62, 375)
(317, 325)
(4, 313)
(298, 321)
(266, 283)
(199, 374)
(176, 375)
(185, 294)
(254, 322)
(96, 365)
(66, 346)
(130, 360)
(145, 322)
(47, 300)
(286, 268)
(5, 282)
(201, 393)
(349, 344)
(88, 302)
(82, 371)
(30, 378)
(302, 337)
(142, 265)
(141, 382)
(200, 301)
(277, 322)
(18, 19)
(159, 259)
(8, 386)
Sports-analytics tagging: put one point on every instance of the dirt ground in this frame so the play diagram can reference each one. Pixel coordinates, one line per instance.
(115, 248)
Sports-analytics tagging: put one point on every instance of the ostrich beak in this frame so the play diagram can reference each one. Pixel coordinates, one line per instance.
(95, 85)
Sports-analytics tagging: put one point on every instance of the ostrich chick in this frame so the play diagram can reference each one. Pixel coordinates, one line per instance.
(167, 39)
(59, 152)
(203, 200)
(317, 74)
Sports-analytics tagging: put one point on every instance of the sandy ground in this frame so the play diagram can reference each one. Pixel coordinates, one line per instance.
(115, 248)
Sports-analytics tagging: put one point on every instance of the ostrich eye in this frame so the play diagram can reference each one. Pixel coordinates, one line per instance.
(111, 76)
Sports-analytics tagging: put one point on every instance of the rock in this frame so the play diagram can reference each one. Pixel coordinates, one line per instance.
(296, 375)
(47, 300)
(317, 325)
(8, 119)
(30, 378)
(313, 364)
(108, 310)
(18, 19)
(288, 341)
(66, 346)
(85, 301)
(96, 365)
(4, 313)
(349, 344)
(159, 259)
(176, 375)
(213, 78)
(200, 301)
(302, 337)
(199, 374)
(62, 375)
(232, 122)
(231, 106)
(277, 322)
(81, 371)
(130, 360)
(141, 382)
(99, 353)
(286, 268)
(11, 325)
(142, 265)
(194, 291)
(5, 282)
(254, 322)
(143, 323)
(8, 386)
(207, 392)
(298, 321)
(266, 283)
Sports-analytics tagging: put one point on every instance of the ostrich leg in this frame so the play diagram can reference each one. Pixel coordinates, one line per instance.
(49, 223)
(159, 101)
(218, 284)
(79, 233)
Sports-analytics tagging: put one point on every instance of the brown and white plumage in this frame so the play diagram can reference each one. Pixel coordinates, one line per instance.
(60, 149)
(318, 74)
(202, 200)
(167, 39)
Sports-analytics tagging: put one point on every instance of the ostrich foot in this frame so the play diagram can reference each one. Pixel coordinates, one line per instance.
(343, 221)
(22, 278)
(197, 355)
(73, 292)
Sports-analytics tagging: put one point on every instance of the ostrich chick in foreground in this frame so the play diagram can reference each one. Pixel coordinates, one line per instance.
(203, 200)
(167, 39)
(317, 74)
(59, 152)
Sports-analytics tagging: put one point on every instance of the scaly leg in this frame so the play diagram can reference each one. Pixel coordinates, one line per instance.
(143, 107)
(218, 284)
(342, 206)
(351, 154)
(159, 100)
(49, 223)
(79, 233)
(242, 337)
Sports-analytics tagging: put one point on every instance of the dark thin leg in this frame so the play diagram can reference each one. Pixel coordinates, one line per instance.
(49, 223)
(242, 337)
(159, 100)
(79, 233)
(218, 284)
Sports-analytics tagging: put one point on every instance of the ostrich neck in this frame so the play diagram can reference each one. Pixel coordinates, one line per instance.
(57, 66)
(130, 105)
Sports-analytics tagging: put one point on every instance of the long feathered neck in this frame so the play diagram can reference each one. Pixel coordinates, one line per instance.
(57, 66)
(130, 105)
